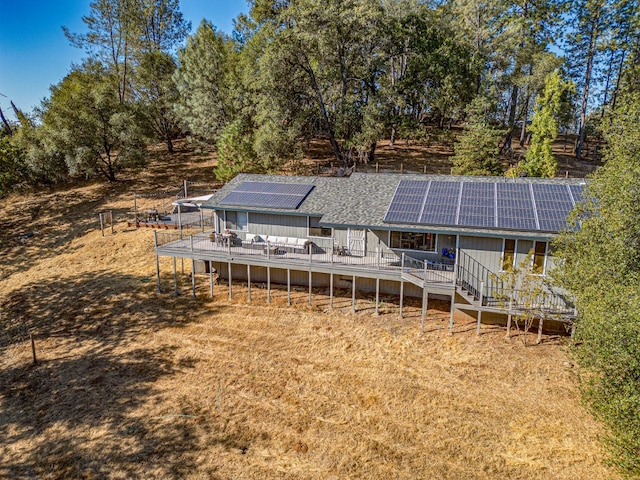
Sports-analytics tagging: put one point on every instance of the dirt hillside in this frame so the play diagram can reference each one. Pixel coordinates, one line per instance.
(131, 383)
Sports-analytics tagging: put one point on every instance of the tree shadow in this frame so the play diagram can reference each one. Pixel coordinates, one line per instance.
(79, 411)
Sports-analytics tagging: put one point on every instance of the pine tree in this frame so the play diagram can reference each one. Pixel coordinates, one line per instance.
(235, 152)
(539, 158)
(476, 149)
(202, 79)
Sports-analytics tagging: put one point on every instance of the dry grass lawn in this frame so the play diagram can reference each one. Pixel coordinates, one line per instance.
(134, 384)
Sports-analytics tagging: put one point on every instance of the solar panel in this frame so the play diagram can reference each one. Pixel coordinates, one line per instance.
(553, 204)
(515, 206)
(577, 191)
(481, 204)
(407, 202)
(441, 203)
(477, 205)
(287, 196)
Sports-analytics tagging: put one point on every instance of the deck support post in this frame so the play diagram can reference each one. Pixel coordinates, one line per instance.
(310, 285)
(182, 265)
(230, 288)
(480, 309)
(331, 290)
(210, 278)
(248, 283)
(453, 307)
(425, 302)
(353, 295)
(401, 284)
(268, 285)
(377, 294)
(193, 278)
(573, 329)
(175, 278)
(540, 323)
(401, 295)
(288, 287)
(158, 272)
(509, 316)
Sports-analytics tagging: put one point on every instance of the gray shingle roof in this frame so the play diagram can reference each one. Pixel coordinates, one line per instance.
(362, 200)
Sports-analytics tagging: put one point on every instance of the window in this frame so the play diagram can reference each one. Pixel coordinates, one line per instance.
(508, 254)
(315, 230)
(539, 257)
(413, 241)
(236, 221)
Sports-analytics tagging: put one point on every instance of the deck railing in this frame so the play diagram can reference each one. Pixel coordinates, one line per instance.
(478, 280)
(539, 302)
(471, 276)
(379, 259)
(425, 271)
(490, 290)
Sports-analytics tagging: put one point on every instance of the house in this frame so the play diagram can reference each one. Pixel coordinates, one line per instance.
(428, 236)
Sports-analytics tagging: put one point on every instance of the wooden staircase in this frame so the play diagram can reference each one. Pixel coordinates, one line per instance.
(480, 289)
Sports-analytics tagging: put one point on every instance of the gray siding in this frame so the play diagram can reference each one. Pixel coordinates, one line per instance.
(281, 225)
(486, 251)
(272, 224)
(340, 237)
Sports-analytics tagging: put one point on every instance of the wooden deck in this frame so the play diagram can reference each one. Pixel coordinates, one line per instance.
(381, 264)
(432, 278)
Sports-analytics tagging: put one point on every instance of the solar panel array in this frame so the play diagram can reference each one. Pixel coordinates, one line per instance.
(287, 196)
(502, 205)
(407, 201)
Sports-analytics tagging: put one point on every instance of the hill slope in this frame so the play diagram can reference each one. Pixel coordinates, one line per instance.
(131, 383)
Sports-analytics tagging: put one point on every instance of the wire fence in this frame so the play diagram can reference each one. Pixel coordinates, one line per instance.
(171, 208)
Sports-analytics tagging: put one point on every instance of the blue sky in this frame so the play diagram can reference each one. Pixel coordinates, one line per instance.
(34, 53)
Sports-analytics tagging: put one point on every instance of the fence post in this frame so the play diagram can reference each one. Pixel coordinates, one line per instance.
(180, 220)
(378, 258)
(135, 208)
(191, 242)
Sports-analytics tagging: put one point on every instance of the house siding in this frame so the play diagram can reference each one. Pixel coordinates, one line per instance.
(269, 224)
(486, 251)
